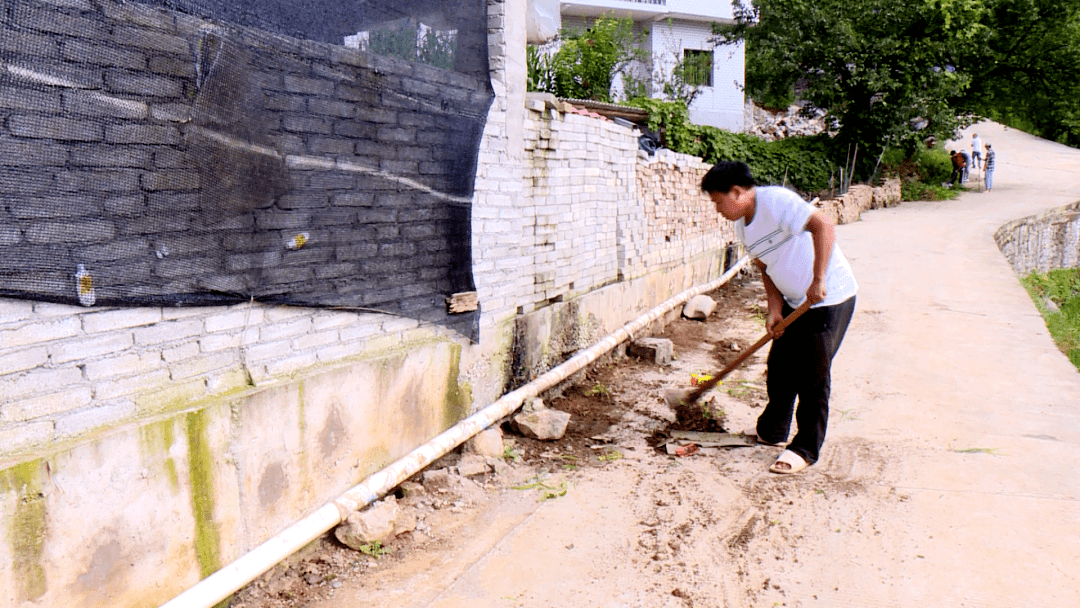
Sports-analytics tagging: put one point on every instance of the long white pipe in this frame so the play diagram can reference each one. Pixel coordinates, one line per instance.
(223, 583)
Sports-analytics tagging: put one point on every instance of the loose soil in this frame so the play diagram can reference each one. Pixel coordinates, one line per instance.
(702, 530)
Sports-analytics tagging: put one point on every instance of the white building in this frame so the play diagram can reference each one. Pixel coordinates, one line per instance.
(676, 29)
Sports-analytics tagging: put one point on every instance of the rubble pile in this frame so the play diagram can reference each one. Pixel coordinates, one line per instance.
(772, 125)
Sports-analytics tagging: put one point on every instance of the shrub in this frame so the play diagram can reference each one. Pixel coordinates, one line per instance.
(803, 163)
(935, 166)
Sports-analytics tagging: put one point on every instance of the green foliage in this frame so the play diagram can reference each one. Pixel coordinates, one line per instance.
(767, 83)
(587, 61)
(688, 77)
(877, 66)
(935, 166)
(914, 190)
(1062, 287)
(540, 70)
(920, 173)
(374, 549)
(1025, 72)
(800, 162)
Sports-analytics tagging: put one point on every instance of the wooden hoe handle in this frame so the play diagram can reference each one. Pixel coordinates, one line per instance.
(706, 386)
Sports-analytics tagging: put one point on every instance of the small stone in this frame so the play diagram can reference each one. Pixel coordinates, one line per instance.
(545, 425)
(657, 350)
(699, 307)
(488, 442)
(436, 480)
(472, 464)
(374, 524)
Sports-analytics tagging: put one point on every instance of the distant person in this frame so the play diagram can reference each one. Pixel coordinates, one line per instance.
(794, 246)
(957, 168)
(989, 166)
(976, 151)
(966, 165)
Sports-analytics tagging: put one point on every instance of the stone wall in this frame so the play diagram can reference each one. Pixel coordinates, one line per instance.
(1042, 242)
(859, 198)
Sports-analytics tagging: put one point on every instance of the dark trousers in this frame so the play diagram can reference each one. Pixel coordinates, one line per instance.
(800, 364)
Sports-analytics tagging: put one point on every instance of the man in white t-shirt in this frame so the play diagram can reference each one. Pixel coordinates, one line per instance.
(794, 245)
(976, 151)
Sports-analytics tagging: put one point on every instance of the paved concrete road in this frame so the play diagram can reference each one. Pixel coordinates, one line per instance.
(949, 396)
(952, 355)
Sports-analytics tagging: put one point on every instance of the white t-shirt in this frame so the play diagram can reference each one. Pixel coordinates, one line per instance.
(976, 144)
(778, 237)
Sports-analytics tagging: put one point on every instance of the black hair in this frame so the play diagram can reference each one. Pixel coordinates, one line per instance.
(725, 175)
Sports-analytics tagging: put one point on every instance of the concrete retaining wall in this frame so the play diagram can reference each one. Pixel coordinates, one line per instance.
(1042, 242)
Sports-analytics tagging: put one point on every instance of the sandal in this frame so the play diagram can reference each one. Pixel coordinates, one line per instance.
(789, 463)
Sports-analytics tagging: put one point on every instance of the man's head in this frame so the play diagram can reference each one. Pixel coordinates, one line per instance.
(731, 188)
(974, 136)
(987, 146)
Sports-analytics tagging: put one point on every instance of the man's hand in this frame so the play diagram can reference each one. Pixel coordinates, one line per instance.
(816, 292)
(772, 318)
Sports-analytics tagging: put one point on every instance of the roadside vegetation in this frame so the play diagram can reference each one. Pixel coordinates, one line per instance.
(890, 75)
(1057, 296)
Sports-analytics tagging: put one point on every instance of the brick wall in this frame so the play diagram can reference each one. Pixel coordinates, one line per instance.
(578, 177)
(176, 161)
(679, 222)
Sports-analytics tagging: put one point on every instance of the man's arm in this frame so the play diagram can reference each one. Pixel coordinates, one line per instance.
(824, 235)
(776, 300)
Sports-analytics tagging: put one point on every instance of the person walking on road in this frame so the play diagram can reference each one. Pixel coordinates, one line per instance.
(976, 151)
(794, 246)
(989, 168)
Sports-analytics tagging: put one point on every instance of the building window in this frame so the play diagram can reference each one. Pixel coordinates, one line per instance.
(697, 67)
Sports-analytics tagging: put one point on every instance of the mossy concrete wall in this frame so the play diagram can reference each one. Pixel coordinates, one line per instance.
(141, 513)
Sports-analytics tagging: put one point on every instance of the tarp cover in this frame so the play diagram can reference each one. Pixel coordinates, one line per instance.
(177, 153)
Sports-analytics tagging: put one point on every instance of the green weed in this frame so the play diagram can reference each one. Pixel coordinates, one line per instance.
(1061, 288)
(374, 549)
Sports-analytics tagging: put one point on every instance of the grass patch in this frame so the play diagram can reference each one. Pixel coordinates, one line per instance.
(912, 190)
(1057, 296)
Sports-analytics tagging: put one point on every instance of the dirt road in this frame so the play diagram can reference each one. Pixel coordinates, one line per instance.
(947, 478)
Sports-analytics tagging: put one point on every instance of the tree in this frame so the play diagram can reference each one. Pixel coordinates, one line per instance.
(1025, 72)
(885, 70)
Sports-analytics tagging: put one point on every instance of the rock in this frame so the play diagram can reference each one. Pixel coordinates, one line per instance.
(405, 521)
(488, 442)
(472, 464)
(545, 424)
(533, 405)
(699, 307)
(411, 488)
(438, 479)
(656, 350)
(1051, 307)
(374, 524)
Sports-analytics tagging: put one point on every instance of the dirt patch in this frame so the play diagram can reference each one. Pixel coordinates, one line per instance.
(617, 415)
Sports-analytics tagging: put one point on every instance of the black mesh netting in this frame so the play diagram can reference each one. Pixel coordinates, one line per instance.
(205, 152)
